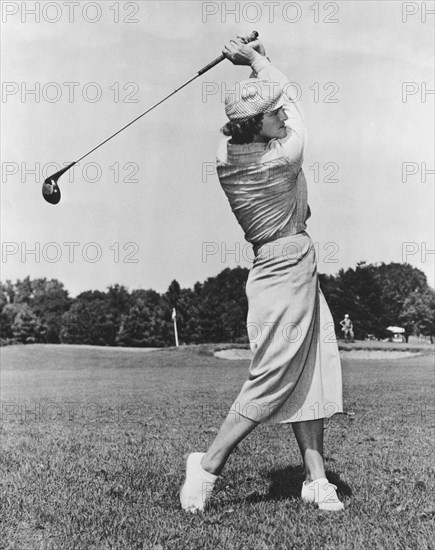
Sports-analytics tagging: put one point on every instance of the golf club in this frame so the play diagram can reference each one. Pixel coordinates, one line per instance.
(50, 187)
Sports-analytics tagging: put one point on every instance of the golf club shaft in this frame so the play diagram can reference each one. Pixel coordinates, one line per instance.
(253, 36)
(138, 117)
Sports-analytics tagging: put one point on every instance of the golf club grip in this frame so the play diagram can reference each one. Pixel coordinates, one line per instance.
(254, 35)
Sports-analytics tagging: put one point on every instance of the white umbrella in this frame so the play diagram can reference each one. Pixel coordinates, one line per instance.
(396, 329)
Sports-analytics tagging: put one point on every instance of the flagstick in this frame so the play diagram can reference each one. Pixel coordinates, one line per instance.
(174, 317)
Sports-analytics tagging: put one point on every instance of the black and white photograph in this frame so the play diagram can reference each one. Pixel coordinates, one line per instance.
(217, 275)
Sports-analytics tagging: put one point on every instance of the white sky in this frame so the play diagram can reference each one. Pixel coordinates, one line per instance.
(171, 213)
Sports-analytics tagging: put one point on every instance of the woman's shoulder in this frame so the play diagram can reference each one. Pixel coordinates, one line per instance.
(245, 153)
(290, 147)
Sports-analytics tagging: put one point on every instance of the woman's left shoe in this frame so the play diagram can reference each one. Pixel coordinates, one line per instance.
(323, 494)
(197, 486)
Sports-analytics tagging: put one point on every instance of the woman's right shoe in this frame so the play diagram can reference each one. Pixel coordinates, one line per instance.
(323, 494)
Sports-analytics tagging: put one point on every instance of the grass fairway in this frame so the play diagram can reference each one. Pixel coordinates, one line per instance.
(93, 444)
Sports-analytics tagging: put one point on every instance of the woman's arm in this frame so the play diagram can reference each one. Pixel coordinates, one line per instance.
(254, 54)
(265, 70)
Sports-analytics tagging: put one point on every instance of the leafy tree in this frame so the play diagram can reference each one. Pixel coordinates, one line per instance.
(89, 321)
(119, 302)
(49, 301)
(7, 293)
(396, 282)
(40, 310)
(173, 293)
(360, 298)
(25, 323)
(188, 321)
(76, 325)
(23, 292)
(5, 324)
(144, 325)
(418, 313)
(373, 295)
(6, 313)
(223, 306)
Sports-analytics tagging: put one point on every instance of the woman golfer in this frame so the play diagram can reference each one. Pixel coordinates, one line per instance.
(295, 373)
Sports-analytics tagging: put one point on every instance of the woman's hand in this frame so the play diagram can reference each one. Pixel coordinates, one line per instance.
(256, 45)
(241, 53)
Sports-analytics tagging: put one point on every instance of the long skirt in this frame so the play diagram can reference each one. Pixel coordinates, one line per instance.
(295, 373)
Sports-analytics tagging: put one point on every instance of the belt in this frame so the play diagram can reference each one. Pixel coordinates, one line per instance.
(285, 232)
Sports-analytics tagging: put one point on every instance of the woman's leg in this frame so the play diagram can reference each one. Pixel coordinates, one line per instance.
(233, 430)
(316, 487)
(202, 469)
(309, 436)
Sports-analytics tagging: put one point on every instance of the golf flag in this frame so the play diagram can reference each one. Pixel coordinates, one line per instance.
(174, 318)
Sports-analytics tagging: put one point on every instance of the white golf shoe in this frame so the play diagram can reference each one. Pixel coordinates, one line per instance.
(323, 494)
(197, 486)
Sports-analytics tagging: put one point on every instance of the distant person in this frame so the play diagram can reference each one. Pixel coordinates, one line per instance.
(347, 328)
(295, 374)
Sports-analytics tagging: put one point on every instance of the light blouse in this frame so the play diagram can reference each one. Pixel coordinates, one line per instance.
(264, 182)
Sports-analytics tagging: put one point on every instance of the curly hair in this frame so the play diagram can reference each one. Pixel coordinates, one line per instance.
(245, 131)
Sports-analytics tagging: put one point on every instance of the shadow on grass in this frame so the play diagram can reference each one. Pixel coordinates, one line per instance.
(286, 483)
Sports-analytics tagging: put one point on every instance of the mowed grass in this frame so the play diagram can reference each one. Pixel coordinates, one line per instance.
(93, 444)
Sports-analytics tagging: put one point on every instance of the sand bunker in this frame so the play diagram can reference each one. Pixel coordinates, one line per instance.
(246, 354)
(375, 354)
(234, 354)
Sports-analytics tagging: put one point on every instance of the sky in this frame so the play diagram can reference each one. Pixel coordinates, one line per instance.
(147, 207)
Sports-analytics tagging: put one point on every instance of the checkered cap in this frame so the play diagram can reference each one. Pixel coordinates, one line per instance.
(252, 97)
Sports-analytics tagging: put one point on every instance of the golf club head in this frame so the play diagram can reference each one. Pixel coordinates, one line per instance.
(50, 189)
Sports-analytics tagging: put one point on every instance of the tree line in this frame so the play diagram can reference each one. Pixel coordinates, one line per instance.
(41, 310)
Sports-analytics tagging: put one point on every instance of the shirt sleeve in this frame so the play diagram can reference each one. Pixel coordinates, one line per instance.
(293, 145)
